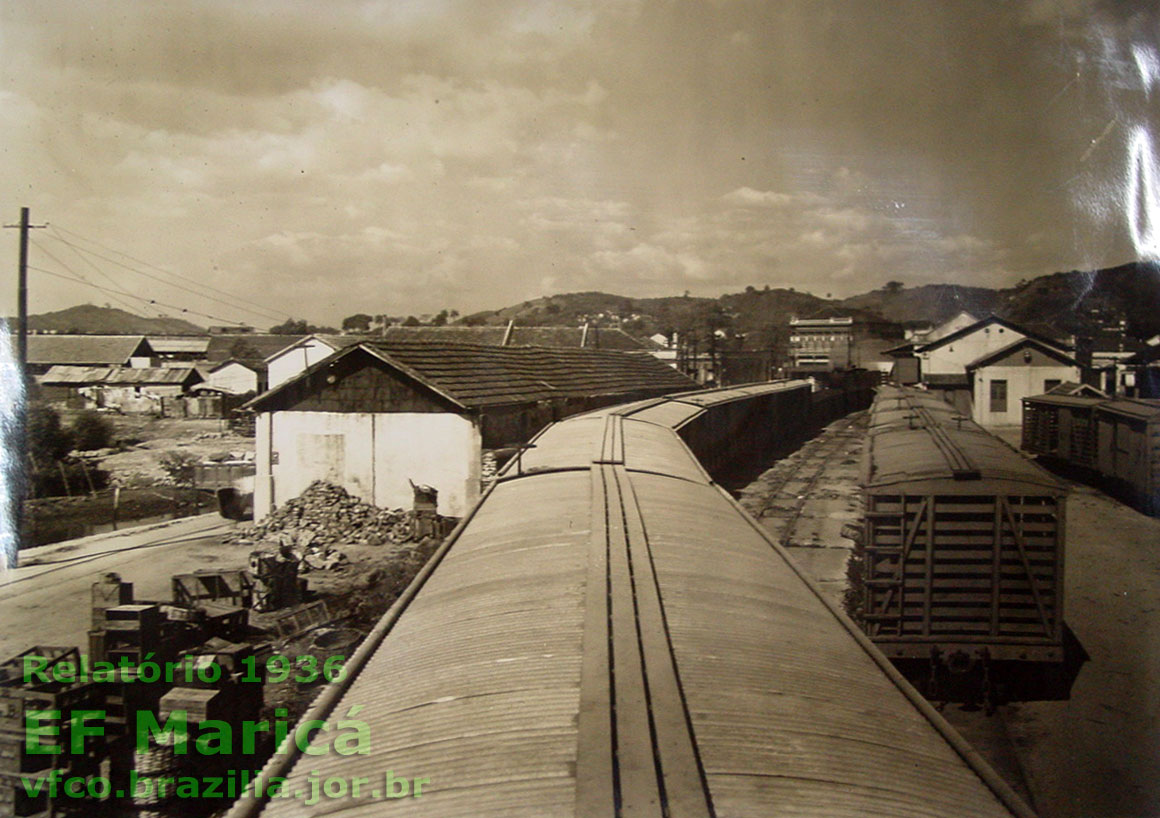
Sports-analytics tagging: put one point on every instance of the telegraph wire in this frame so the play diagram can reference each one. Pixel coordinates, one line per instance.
(130, 295)
(267, 315)
(262, 310)
(132, 309)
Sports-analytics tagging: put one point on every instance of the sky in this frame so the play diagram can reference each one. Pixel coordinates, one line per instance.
(253, 160)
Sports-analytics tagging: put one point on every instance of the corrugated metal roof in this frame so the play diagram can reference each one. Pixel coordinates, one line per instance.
(63, 375)
(168, 345)
(86, 349)
(1140, 408)
(735, 685)
(920, 442)
(1073, 388)
(1065, 400)
(152, 375)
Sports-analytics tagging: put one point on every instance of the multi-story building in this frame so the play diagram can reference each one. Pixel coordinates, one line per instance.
(820, 344)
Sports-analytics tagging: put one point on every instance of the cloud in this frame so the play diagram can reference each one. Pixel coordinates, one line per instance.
(466, 154)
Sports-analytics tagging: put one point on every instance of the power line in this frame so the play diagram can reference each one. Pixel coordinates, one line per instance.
(116, 298)
(263, 310)
(78, 248)
(152, 301)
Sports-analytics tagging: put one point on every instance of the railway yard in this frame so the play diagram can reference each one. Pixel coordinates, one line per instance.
(1093, 755)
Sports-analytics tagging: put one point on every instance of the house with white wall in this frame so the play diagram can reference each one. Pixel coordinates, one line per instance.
(1000, 380)
(985, 368)
(238, 377)
(376, 416)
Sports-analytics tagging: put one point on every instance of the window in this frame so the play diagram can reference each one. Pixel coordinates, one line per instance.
(1050, 384)
(998, 396)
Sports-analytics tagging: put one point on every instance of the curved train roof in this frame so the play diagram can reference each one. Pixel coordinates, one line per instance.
(608, 633)
(919, 443)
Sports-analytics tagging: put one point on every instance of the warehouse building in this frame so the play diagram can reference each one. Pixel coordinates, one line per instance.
(376, 416)
(47, 351)
(309, 350)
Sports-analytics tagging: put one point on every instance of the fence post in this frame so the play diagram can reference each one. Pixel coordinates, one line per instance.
(63, 477)
(116, 504)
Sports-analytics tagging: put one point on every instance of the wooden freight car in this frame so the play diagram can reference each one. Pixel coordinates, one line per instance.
(1128, 454)
(1061, 427)
(962, 547)
(1118, 440)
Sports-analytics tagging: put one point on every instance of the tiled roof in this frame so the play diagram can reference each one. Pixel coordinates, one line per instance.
(478, 375)
(85, 349)
(265, 345)
(560, 337)
(256, 364)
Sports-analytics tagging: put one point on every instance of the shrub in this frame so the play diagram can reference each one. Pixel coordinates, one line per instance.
(179, 467)
(92, 431)
(48, 441)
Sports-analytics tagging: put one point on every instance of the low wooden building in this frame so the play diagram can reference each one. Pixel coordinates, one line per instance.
(378, 415)
(127, 388)
(47, 351)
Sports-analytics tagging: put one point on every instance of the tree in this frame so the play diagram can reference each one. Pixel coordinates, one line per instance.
(291, 326)
(440, 320)
(893, 287)
(359, 322)
(411, 321)
(243, 349)
(298, 326)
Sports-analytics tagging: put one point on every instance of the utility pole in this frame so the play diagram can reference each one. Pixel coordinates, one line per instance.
(22, 296)
(19, 475)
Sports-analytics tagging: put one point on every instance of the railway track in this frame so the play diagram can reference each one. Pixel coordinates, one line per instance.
(790, 486)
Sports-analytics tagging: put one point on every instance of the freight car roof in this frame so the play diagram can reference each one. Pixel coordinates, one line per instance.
(1139, 408)
(919, 443)
(737, 690)
(920, 461)
(1065, 400)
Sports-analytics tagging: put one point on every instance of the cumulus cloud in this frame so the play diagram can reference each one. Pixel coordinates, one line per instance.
(454, 153)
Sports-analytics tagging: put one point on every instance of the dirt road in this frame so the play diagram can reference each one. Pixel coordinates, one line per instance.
(46, 601)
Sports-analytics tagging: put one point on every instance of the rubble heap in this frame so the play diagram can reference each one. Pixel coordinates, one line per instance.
(326, 514)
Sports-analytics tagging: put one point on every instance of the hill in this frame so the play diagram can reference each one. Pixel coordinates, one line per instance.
(89, 319)
(754, 318)
(933, 302)
(1078, 301)
(1060, 303)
